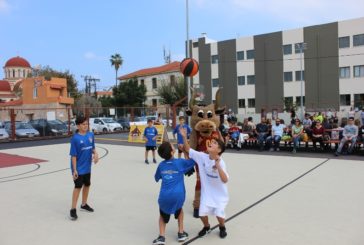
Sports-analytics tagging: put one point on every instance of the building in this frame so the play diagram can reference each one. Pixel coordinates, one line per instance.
(100, 94)
(154, 77)
(266, 71)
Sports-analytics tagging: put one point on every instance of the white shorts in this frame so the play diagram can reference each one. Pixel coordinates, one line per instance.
(206, 210)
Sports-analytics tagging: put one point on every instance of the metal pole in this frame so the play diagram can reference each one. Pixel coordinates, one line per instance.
(188, 80)
(301, 82)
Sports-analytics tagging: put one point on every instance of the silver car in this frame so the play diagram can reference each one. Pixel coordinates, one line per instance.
(3, 134)
(22, 129)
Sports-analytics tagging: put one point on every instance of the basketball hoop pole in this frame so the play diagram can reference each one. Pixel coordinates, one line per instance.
(188, 79)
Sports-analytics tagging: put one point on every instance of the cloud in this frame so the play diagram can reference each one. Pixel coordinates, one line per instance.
(303, 12)
(4, 6)
(89, 55)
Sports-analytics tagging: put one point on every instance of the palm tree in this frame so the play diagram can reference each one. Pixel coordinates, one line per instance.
(116, 61)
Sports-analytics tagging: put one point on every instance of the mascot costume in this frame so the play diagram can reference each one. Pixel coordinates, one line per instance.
(205, 122)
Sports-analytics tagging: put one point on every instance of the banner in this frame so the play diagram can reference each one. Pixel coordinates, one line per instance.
(136, 133)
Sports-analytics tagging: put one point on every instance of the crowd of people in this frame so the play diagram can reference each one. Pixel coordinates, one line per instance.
(323, 130)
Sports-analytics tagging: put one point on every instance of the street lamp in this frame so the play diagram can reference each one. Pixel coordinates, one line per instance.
(301, 47)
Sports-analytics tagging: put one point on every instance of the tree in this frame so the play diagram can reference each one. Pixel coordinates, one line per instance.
(116, 61)
(48, 72)
(129, 93)
(87, 101)
(106, 101)
(171, 93)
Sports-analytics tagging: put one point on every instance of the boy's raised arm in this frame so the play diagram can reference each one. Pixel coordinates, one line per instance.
(186, 145)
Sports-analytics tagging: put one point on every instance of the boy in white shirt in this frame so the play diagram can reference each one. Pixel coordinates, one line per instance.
(213, 175)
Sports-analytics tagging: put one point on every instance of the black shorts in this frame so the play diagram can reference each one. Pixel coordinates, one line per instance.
(166, 217)
(82, 180)
(148, 148)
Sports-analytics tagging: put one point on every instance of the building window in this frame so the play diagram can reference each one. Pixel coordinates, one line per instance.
(287, 49)
(298, 100)
(344, 42)
(241, 103)
(214, 59)
(298, 76)
(173, 80)
(251, 79)
(359, 71)
(23, 73)
(250, 54)
(251, 103)
(359, 100)
(298, 48)
(344, 99)
(154, 102)
(154, 83)
(358, 40)
(344, 72)
(287, 76)
(13, 73)
(240, 55)
(142, 82)
(195, 44)
(215, 82)
(35, 92)
(241, 80)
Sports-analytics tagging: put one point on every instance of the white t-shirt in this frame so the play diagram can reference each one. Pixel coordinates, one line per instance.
(214, 192)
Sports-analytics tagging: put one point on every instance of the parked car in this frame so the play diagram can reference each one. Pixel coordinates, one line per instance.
(50, 127)
(3, 134)
(73, 126)
(124, 122)
(104, 124)
(138, 121)
(22, 129)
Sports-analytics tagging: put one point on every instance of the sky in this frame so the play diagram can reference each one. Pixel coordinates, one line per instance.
(80, 36)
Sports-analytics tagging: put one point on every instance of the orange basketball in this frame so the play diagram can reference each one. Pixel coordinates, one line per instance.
(189, 67)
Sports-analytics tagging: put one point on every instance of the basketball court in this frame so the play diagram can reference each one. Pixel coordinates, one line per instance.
(280, 200)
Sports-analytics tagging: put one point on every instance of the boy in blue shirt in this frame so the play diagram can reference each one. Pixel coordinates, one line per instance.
(82, 154)
(182, 124)
(150, 137)
(172, 193)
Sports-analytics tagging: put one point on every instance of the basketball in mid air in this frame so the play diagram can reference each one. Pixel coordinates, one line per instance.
(189, 67)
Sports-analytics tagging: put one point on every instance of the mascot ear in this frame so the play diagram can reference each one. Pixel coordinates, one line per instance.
(188, 112)
(219, 111)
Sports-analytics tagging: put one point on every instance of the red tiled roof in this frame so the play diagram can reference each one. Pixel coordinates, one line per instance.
(57, 86)
(101, 93)
(7, 95)
(12, 103)
(5, 86)
(17, 61)
(172, 67)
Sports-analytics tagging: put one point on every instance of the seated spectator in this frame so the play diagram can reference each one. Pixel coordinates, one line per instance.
(246, 128)
(350, 133)
(251, 123)
(318, 135)
(297, 132)
(262, 130)
(233, 133)
(276, 135)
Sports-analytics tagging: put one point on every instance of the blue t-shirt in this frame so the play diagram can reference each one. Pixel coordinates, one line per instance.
(82, 147)
(179, 136)
(172, 194)
(150, 133)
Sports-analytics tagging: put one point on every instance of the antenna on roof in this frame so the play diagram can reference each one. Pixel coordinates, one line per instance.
(167, 57)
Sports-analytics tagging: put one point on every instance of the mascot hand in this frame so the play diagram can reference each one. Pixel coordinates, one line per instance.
(190, 172)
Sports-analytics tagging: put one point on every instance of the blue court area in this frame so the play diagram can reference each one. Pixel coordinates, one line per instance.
(276, 200)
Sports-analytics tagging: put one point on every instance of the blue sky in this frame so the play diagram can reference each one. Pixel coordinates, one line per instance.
(80, 36)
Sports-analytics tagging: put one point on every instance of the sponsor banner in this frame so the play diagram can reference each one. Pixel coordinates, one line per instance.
(136, 134)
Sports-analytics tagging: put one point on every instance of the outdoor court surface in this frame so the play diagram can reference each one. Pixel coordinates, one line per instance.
(282, 200)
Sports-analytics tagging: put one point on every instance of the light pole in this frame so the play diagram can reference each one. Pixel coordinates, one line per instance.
(187, 51)
(301, 47)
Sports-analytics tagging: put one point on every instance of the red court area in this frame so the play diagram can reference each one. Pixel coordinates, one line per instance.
(9, 160)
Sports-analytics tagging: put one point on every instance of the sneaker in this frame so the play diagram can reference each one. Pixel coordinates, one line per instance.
(182, 236)
(87, 208)
(159, 240)
(204, 231)
(196, 213)
(154, 161)
(73, 214)
(146, 161)
(223, 233)
(337, 153)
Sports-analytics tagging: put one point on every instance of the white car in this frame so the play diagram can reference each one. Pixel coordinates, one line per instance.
(104, 125)
(3, 134)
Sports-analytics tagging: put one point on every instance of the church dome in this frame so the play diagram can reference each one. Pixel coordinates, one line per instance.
(17, 62)
(4, 86)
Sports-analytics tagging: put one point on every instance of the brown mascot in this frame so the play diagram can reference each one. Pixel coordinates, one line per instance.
(205, 121)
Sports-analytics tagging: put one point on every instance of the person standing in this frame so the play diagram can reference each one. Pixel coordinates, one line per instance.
(150, 137)
(82, 154)
(181, 124)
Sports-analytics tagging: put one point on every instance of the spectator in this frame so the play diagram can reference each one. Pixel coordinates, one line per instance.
(262, 130)
(276, 135)
(246, 128)
(362, 116)
(251, 123)
(318, 135)
(297, 132)
(350, 133)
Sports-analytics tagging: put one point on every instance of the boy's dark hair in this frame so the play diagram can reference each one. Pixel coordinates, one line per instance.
(164, 150)
(221, 146)
(181, 117)
(149, 120)
(80, 119)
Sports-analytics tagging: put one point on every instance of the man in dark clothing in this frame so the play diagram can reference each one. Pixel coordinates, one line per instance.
(262, 130)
